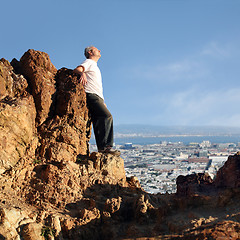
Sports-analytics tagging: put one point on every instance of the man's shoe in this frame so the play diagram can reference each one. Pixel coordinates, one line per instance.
(111, 151)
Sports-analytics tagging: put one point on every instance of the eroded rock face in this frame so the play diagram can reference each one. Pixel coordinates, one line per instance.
(17, 118)
(17, 131)
(229, 174)
(43, 112)
(12, 85)
(193, 184)
(61, 183)
(40, 73)
(67, 133)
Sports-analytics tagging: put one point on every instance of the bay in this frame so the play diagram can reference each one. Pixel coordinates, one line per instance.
(184, 139)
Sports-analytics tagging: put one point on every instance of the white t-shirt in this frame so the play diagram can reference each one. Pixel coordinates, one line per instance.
(94, 77)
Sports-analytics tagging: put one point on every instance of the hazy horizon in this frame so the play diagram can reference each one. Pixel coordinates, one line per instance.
(158, 129)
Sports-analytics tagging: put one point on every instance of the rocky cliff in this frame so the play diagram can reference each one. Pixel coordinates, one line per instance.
(53, 188)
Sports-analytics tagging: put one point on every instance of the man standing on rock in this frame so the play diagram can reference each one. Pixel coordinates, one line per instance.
(90, 77)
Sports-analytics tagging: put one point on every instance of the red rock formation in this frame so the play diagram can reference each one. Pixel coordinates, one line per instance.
(40, 73)
(67, 133)
(229, 175)
(193, 184)
(11, 84)
(52, 189)
(17, 118)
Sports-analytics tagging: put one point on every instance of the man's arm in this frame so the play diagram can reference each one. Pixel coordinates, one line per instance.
(80, 70)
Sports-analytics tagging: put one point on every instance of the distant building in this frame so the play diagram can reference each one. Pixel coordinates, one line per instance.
(164, 143)
(149, 151)
(232, 145)
(203, 153)
(182, 156)
(127, 146)
(223, 145)
(205, 144)
(198, 159)
(194, 144)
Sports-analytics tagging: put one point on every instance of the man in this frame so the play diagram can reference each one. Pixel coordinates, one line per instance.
(90, 77)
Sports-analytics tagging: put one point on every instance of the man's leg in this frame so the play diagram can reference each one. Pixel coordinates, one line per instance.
(102, 121)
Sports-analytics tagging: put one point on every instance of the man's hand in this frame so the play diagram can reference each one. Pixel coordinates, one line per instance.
(80, 70)
(83, 79)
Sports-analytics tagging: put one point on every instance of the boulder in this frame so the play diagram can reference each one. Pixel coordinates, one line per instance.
(40, 73)
(193, 184)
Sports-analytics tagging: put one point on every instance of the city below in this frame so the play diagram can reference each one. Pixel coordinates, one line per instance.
(157, 166)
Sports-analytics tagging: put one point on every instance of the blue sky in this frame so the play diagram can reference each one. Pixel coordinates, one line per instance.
(164, 62)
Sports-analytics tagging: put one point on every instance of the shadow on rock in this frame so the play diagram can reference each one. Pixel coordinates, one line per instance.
(110, 212)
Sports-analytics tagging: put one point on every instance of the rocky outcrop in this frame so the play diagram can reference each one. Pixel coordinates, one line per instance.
(40, 73)
(67, 133)
(53, 188)
(42, 110)
(17, 118)
(229, 175)
(194, 184)
(61, 183)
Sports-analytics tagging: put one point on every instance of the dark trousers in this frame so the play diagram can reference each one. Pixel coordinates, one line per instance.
(102, 121)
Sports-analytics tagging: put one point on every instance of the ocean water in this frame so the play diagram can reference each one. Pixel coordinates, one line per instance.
(185, 139)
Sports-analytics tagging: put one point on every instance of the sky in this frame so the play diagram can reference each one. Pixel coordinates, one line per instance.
(164, 62)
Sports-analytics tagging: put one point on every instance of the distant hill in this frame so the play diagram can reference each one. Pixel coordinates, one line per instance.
(176, 130)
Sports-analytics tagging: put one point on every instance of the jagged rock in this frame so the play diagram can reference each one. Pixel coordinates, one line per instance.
(67, 225)
(229, 174)
(17, 130)
(56, 184)
(56, 225)
(17, 118)
(32, 231)
(66, 135)
(193, 184)
(133, 182)
(11, 84)
(111, 167)
(87, 215)
(112, 205)
(143, 209)
(10, 221)
(40, 72)
(64, 182)
(222, 230)
(71, 98)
